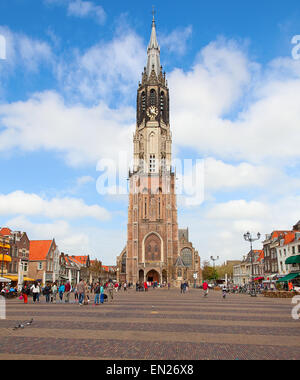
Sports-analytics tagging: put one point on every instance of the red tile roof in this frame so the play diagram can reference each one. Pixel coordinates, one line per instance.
(39, 249)
(80, 259)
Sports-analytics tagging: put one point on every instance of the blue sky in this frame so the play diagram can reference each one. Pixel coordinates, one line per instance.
(67, 100)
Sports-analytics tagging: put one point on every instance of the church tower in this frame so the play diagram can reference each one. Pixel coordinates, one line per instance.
(152, 249)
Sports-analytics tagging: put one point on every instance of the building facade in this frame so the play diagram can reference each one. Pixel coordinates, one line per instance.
(44, 261)
(153, 243)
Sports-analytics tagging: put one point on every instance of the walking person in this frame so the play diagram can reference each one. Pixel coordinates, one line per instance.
(47, 292)
(86, 294)
(97, 294)
(54, 292)
(61, 291)
(81, 292)
(101, 294)
(35, 292)
(68, 289)
(76, 296)
(25, 292)
(205, 288)
(111, 291)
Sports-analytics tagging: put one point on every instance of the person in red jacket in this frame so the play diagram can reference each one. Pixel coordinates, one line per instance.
(145, 286)
(205, 288)
(68, 291)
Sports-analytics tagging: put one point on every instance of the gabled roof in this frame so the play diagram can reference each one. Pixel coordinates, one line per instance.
(39, 249)
(179, 262)
(80, 259)
(5, 231)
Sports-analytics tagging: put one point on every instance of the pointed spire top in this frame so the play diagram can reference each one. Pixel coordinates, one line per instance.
(153, 50)
(153, 13)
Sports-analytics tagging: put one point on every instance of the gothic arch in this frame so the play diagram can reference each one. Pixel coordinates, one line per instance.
(187, 256)
(157, 254)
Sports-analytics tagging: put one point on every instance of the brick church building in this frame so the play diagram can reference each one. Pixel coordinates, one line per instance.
(156, 249)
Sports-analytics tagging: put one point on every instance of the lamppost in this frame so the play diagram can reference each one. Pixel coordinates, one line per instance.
(248, 237)
(213, 260)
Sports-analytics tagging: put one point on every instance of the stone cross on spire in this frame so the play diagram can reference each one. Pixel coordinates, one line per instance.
(153, 51)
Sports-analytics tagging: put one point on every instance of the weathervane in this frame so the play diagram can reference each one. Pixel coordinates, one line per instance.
(153, 12)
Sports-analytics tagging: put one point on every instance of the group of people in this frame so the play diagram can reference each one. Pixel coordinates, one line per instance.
(82, 292)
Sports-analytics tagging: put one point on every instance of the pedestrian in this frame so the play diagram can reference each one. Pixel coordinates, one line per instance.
(68, 289)
(224, 291)
(111, 291)
(86, 294)
(81, 292)
(25, 292)
(76, 294)
(205, 288)
(101, 294)
(145, 286)
(61, 291)
(97, 294)
(35, 292)
(125, 286)
(169, 285)
(47, 292)
(181, 288)
(53, 292)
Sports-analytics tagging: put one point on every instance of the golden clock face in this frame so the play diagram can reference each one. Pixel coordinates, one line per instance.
(152, 112)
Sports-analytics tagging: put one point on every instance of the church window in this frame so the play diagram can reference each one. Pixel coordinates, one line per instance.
(143, 102)
(187, 257)
(162, 102)
(152, 163)
(152, 98)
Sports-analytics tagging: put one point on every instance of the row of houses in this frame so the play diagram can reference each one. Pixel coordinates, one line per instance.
(22, 260)
(277, 261)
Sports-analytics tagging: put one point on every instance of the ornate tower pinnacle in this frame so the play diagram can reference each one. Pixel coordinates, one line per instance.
(153, 52)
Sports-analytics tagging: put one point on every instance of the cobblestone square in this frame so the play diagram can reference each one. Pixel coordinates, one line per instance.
(160, 324)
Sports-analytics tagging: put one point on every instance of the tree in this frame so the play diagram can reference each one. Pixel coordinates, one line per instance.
(224, 269)
(209, 273)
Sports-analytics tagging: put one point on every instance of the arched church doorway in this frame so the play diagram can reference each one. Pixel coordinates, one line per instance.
(141, 276)
(153, 276)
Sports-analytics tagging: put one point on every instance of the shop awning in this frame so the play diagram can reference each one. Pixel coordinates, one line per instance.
(2, 279)
(259, 278)
(293, 260)
(28, 279)
(289, 277)
(5, 258)
(12, 278)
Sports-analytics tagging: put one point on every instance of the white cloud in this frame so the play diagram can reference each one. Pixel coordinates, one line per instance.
(83, 9)
(66, 237)
(222, 81)
(84, 180)
(176, 41)
(108, 70)
(20, 203)
(217, 228)
(82, 134)
(24, 51)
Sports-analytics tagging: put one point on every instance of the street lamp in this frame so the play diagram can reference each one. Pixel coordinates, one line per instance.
(213, 260)
(248, 237)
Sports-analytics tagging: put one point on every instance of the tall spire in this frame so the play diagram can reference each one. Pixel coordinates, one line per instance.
(153, 52)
